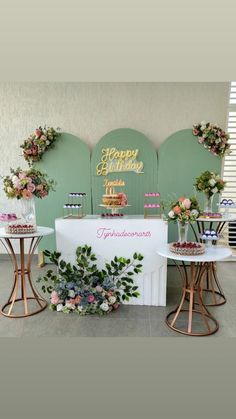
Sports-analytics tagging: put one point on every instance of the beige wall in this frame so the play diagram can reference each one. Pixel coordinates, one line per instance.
(90, 110)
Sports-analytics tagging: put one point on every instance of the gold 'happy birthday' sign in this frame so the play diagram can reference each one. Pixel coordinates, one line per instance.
(113, 160)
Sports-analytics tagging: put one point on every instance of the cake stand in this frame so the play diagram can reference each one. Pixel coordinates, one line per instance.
(114, 208)
(226, 208)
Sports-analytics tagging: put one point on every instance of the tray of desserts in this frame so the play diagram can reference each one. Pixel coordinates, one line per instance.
(210, 235)
(210, 215)
(187, 248)
(7, 217)
(20, 228)
(227, 203)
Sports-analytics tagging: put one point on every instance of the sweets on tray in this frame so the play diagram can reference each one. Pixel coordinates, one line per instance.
(227, 203)
(209, 235)
(187, 248)
(211, 215)
(20, 228)
(73, 208)
(76, 194)
(8, 217)
(150, 205)
(149, 194)
(110, 215)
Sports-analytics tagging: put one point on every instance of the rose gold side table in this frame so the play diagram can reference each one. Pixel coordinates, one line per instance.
(23, 290)
(191, 317)
(213, 294)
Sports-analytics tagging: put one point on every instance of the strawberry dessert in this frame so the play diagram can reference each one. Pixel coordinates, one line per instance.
(187, 248)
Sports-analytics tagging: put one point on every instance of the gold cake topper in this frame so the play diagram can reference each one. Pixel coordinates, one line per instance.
(109, 185)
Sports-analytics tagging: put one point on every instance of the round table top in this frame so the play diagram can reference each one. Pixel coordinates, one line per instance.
(212, 254)
(41, 231)
(224, 219)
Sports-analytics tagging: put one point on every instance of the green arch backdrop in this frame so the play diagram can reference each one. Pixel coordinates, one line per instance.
(135, 184)
(181, 160)
(69, 164)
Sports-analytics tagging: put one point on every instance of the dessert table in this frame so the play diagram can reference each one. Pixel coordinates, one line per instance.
(182, 319)
(124, 236)
(22, 274)
(212, 288)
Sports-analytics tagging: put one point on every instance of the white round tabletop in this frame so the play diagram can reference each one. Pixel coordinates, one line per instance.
(212, 254)
(41, 231)
(224, 219)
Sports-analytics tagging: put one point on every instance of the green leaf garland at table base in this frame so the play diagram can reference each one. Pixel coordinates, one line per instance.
(83, 288)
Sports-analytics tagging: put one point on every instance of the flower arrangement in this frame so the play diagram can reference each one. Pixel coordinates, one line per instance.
(38, 143)
(184, 210)
(214, 138)
(27, 183)
(84, 289)
(209, 183)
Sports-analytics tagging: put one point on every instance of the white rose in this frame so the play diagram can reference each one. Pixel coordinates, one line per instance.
(215, 190)
(112, 299)
(71, 293)
(203, 124)
(104, 306)
(70, 306)
(15, 179)
(171, 214)
(212, 182)
(59, 307)
(80, 308)
(10, 190)
(194, 212)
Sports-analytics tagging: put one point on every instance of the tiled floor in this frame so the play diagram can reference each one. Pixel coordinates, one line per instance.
(130, 321)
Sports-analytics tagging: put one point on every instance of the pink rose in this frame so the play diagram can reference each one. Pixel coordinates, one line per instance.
(26, 194)
(22, 175)
(99, 288)
(90, 298)
(43, 138)
(31, 187)
(201, 140)
(34, 151)
(195, 131)
(37, 132)
(17, 184)
(28, 152)
(187, 203)
(43, 193)
(177, 210)
(54, 298)
(181, 199)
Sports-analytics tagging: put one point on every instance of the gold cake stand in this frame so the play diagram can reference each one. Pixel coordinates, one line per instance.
(114, 208)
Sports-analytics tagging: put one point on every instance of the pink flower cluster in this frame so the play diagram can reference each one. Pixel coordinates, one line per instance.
(40, 141)
(26, 184)
(184, 210)
(123, 197)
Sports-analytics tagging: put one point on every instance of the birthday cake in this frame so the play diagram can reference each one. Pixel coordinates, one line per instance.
(114, 199)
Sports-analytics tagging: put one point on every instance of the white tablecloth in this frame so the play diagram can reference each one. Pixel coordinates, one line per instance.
(121, 237)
